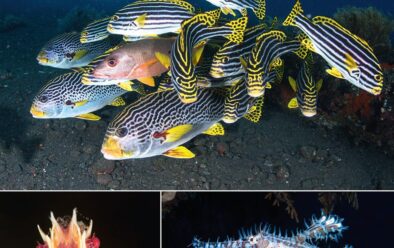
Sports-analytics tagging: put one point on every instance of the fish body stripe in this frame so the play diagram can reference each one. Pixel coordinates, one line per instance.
(333, 44)
(95, 31)
(233, 52)
(306, 89)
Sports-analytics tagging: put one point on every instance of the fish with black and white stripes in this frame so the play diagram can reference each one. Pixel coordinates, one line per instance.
(350, 57)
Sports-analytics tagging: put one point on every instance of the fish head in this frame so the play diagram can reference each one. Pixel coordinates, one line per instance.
(66, 232)
(121, 24)
(49, 57)
(117, 65)
(219, 62)
(126, 140)
(369, 79)
(46, 105)
(255, 84)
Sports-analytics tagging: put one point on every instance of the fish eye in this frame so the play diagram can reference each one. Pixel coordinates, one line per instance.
(43, 99)
(378, 77)
(115, 18)
(112, 62)
(225, 60)
(121, 132)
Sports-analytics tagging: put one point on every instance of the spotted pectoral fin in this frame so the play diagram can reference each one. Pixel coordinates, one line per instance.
(140, 20)
(215, 129)
(89, 117)
(335, 73)
(164, 59)
(80, 54)
(80, 103)
(293, 83)
(227, 10)
(319, 84)
(118, 102)
(256, 111)
(126, 86)
(293, 103)
(175, 133)
(150, 81)
(179, 152)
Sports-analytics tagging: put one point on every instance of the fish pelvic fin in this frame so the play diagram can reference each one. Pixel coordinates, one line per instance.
(179, 152)
(260, 10)
(297, 10)
(238, 28)
(89, 117)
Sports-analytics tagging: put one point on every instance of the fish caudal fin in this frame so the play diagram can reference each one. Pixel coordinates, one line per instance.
(256, 111)
(117, 102)
(260, 10)
(215, 129)
(238, 28)
(297, 10)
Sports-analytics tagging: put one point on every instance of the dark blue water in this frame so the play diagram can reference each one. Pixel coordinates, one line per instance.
(274, 7)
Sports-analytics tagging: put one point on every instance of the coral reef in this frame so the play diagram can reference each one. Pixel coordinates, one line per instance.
(78, 18)
(371, 25)
(10, 23)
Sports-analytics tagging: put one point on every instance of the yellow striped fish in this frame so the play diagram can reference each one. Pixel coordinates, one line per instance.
(306, 89)
(227, 6)
(66, 97)
(95, 31)
(147, 18)
(159, 124)
(350, 57)
(264, 57)
(195, 32)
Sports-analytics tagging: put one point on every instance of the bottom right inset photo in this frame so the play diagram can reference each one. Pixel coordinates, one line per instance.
(276, 219)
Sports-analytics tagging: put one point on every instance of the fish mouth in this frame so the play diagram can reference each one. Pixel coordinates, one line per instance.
(216, 73)
(110, 28)
(229, 119)
(376, 91)
(255, 92)
(188, 99)
(112, 151)
(43, 60)
(308, 113)
(36, 113)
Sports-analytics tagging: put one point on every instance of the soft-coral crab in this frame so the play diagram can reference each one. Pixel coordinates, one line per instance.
(69, 234)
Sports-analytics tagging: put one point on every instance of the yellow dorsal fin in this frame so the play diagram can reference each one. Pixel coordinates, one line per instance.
(319, 84)
(126, 86)
(335, 73)
(80, 103)
(238, 27)
(140, 21)
(88, 116)
(175, 133)
(215, 129)
(80, 54)
(293, 83)
(296, 11)
(328, 21)
(163, 59)
(179, 152)
(150, 81)
(256, 111)
(292, 103)
(118, 102)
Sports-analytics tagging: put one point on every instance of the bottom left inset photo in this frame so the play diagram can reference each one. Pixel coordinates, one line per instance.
(80, 219)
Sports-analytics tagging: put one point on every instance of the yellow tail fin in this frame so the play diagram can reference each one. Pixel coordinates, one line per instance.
(297, 10)
(260, 10)
(238, 27)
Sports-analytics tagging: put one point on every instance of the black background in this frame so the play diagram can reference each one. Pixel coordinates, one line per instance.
(213, 215)
(119, 219)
